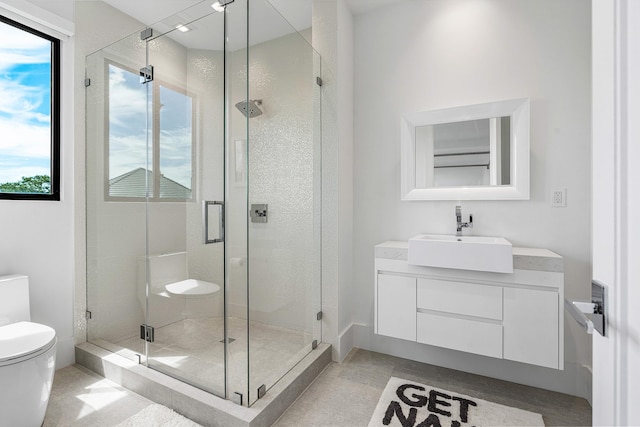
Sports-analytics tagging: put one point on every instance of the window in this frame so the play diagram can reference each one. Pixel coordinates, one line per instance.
(29, 113)
(163, 166)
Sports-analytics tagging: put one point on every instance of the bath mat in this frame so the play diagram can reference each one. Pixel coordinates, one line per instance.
(157, 416)
(410, 404)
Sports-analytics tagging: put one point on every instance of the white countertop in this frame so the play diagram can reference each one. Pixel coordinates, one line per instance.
(523, 258)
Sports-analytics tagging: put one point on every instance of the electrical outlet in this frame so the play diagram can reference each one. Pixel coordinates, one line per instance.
(559, 198)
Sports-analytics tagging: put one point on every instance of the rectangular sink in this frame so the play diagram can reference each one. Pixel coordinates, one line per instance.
(477, 253)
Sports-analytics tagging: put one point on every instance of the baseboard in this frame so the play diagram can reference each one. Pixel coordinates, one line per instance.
(575, 379)
(65, 352)
(345, 342)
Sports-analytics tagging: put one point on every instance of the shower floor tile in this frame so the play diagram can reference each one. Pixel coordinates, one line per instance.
(193, 349)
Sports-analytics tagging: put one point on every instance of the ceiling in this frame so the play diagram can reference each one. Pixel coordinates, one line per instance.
(297, 12)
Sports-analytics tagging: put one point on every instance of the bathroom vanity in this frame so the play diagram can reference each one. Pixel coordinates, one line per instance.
(515, 316)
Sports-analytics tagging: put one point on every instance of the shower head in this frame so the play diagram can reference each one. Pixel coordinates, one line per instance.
(250, 108)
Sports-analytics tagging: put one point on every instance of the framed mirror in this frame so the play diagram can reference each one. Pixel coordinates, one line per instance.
(474, 152)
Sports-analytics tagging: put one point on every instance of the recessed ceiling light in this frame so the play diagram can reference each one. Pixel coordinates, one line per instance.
(217, 7)
(182, 28)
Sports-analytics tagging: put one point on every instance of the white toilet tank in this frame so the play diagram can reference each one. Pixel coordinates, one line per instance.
(14, 299)
(27, 357)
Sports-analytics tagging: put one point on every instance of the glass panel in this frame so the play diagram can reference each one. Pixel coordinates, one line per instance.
(185, 273)
(237, 206)
(281, 153)
(116, 227)
(127, 133)
(176, 144)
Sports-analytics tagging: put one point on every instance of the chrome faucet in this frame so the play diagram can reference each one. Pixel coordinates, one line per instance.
(459, 224)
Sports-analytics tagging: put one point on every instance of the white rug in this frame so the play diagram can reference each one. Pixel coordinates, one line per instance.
(157, 416)
(410, 404)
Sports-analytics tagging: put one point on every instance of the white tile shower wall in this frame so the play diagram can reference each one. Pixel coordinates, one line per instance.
(442, 53)
(281, 251)
(37, 238)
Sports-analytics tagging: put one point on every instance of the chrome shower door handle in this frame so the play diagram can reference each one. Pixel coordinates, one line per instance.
(205, 219)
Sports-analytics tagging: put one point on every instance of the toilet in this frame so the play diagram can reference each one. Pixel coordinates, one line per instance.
(27, 357)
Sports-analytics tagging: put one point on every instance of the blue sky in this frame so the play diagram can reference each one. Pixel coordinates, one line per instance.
(25, 107)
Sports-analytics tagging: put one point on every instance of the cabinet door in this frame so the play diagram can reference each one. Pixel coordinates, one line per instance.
(396, 306)
(531, 326)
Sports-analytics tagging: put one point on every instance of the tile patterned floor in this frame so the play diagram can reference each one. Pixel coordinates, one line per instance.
(193, 349)
(344, 395)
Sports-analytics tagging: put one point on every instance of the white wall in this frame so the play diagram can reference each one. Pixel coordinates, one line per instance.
(422, 55)
(37, 237)
(333, 39)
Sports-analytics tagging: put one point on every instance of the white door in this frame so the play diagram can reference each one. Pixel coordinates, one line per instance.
(616, 208)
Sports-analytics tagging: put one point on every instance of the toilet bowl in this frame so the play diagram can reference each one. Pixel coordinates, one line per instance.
(27, 357)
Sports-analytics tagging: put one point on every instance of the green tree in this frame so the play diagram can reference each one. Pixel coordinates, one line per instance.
(39, 184)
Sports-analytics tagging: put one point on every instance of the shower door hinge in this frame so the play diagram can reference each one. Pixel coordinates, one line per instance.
(146, 74)
(87, 315)
(147, 33)
(319, 81)
(237, 398)
(262, 390)
(147, 333)
(87, 82)
(319, 315)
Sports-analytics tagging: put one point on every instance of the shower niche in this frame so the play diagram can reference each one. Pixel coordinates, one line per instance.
(190, 122)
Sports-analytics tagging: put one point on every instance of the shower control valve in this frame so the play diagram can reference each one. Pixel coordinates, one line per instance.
(259, 212)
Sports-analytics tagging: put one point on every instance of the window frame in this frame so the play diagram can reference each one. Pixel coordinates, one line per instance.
(155, 139)
(55, 136)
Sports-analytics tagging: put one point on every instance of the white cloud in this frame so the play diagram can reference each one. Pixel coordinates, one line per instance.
(20, 100)
(20, 47)
(22, 139)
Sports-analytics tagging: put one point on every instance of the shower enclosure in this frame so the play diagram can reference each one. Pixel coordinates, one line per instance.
(204, 143)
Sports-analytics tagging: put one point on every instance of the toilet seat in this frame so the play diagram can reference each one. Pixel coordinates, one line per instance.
(21, 341)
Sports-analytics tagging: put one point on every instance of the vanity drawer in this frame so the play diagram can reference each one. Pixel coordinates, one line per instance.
(467, 299)
(460, 334)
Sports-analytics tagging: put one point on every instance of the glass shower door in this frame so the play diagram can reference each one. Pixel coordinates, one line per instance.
(284, 151)
(186, 203)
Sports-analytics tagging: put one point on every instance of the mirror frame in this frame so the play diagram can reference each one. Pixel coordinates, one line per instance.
(517, 109)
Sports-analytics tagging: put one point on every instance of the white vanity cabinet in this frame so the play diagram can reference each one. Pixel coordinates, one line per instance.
(516, 316)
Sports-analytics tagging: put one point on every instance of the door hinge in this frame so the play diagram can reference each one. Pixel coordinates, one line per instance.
(236, 398)
(146, 74)
(87, 82)
(87, 315)
(319, 81)
(262, 390)
(147, 333)
(319, 315)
